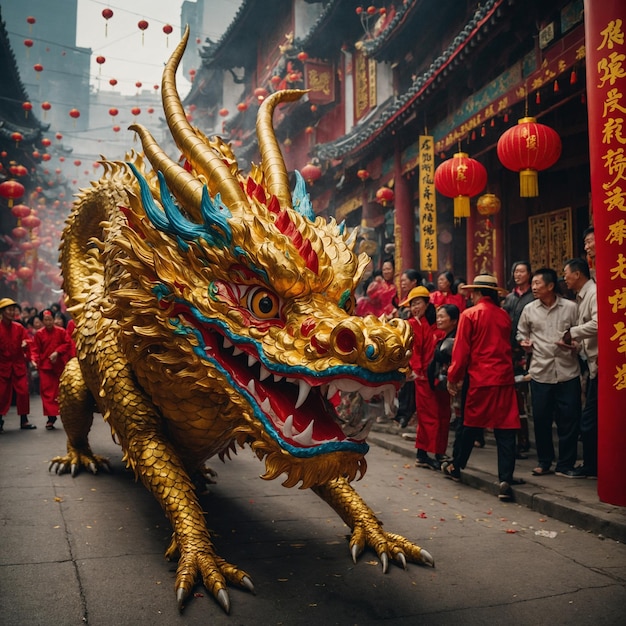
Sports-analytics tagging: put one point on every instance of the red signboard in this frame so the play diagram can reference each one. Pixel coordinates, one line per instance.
(320, 80)
(605, 28)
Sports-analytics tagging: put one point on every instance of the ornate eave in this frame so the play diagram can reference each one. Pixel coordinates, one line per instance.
(395, 112)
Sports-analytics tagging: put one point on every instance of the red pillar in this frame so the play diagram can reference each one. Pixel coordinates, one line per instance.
(405, 218)
(605, 45)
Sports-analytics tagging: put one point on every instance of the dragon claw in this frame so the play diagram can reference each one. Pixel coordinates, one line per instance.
(223, 600)
(180, 598)
(400, 557)
(247, 584)
(384, 559)
(427, 558)
(355, 551)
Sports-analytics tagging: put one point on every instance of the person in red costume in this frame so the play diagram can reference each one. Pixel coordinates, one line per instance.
(422, 354)
(14, 357)
(50, 349)
(482, 352)
(446, 292)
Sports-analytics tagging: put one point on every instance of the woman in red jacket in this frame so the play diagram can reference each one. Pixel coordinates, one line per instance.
(50, 349)
(423, 351)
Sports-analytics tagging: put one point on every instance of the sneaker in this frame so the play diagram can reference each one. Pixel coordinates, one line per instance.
(449, 471)
(504, 491)
(428, 463)
(578, 472)
(571, 473)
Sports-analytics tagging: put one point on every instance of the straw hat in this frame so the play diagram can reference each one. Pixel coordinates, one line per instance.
(5, 302)
(416, 292)
(485, 281)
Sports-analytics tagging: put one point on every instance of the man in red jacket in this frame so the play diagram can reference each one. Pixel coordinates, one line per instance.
(482, 353)
(14, 356)
(51, 346)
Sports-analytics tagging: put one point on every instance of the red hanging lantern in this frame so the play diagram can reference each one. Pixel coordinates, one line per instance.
(19, 232)
(142, 25)
(302, 56)
(31, 221)
(528, 148)
(38, 67)
(167, 29)
(107, 14)
(135, 111)
(25, 272)
(150, 110)
(113, 111)
(384, 196)
(20, 211)
(311, 173)
(17, 137)
(36, 155)
(45, 142)
(28, 43)
(363, 175)
(460, 178)
(138, 84)
(46, 156)
(27, 107)
(223, 112)
(113, 82)
(78, 162)
(30, 20)
(46, 106)
(116, 129)
(260, 93)
(242, 106)
(59, 136)
(74, 113)
(100, 60)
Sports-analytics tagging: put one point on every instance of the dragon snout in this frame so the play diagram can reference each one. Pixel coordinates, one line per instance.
(378, 347)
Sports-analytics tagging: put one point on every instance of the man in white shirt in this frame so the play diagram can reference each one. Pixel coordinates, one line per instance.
(585, 336)
(554, 372)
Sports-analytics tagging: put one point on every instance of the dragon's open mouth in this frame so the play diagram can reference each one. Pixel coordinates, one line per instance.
(295, 402)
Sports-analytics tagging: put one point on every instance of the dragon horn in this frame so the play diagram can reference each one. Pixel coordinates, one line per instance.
(272, 162)
(202, 158)
(187, 189)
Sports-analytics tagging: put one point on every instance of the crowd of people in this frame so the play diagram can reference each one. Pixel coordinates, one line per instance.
(484, 358)
(35, 345)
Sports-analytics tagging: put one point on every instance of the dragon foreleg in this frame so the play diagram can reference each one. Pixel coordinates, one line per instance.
(367, 529)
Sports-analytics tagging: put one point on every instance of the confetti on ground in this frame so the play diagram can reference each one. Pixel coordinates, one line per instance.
(550, 534)
(511, 531)
(57, 499)
(422, 515)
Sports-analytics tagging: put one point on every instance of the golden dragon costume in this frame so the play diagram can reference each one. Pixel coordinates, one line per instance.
(214, 310)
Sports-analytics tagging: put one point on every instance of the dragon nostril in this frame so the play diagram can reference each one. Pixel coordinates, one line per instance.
(345, 341)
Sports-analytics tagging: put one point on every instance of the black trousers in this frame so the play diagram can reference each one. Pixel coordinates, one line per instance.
(406, 403)
(589, 426)
(505, 442)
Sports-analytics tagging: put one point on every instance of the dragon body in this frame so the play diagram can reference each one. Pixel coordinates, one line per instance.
(213, 310)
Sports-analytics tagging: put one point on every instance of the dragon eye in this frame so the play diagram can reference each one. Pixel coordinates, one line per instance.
(262, 303)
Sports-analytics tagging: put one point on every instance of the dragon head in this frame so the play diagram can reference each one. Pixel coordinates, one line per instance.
(228, 286)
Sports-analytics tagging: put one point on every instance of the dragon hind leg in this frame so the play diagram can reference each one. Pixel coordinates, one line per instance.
(76, 408)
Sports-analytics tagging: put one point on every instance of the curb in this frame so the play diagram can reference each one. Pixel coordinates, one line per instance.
(564, 509)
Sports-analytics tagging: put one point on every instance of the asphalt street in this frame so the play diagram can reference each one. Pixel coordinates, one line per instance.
(89, 550)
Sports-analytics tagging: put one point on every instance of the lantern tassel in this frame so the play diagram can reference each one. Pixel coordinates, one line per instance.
(461, 207)
(528, 183)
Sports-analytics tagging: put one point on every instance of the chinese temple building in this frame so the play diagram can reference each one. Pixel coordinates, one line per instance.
(456, 134)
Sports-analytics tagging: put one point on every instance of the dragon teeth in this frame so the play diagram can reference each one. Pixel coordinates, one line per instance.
(288, 427)
(264, 373)
(306, 436)
(303, 393)
(227, 343)
(251, 360)
(278, 378)
(252, 387)
(332, 390)
(237, 351)
(266, 406)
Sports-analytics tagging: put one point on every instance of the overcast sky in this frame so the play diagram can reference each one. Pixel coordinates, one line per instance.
(128, 59)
